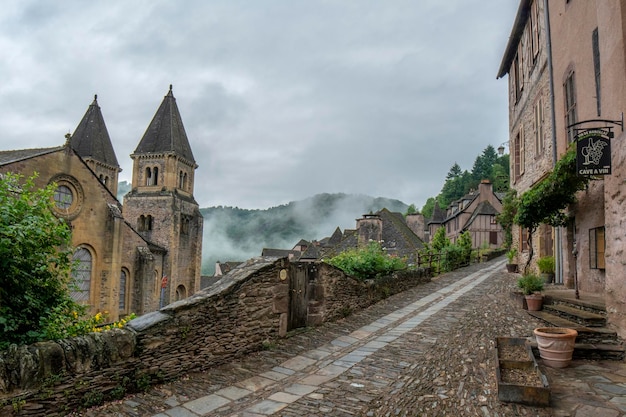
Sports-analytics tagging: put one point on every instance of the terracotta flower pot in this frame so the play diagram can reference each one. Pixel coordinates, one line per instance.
(556, 345)
(534, 302)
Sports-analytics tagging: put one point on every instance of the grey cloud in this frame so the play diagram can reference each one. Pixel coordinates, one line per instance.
(281, 100)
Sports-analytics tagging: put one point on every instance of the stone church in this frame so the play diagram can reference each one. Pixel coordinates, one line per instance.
(134, 257)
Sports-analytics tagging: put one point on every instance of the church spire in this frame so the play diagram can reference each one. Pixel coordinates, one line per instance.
(91, 139)
(166, 133)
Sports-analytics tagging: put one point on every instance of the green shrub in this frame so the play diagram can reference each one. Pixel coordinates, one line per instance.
(368, 262)
(511, 254)
(546, 264)
(440, 240)
(35, 260)
(530, 283)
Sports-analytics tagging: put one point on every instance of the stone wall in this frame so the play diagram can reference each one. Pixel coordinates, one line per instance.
(235, 316)
(337, 296)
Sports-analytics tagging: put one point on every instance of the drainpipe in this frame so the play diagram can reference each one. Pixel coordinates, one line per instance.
(558, 255)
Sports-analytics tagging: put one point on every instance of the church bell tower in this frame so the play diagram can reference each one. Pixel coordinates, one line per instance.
(161, 205)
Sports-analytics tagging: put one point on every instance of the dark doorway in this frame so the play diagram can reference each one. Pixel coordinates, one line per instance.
(298, 280)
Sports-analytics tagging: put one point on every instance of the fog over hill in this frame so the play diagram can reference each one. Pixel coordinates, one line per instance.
(236, 234)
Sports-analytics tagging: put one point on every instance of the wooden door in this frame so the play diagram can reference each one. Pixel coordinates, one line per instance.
(298, 279)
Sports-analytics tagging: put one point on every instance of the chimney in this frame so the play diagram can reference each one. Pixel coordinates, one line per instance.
(485, 189)
(416, 223)
(370, 227)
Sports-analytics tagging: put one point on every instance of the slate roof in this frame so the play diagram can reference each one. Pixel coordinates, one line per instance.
(457, 207)
(438, 214)
(523, 14)
(166, 132)
(279, 253)
(312, 252)
(8, 157)
(398, 238)
(91, 138)
(226, 267)
(336, 237)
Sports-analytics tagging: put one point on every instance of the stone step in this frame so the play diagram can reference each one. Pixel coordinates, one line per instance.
(586, 335)
(582, 317)
(591, 351)
(588, 304)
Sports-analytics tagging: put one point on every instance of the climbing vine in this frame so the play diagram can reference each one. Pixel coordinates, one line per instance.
(546, 202)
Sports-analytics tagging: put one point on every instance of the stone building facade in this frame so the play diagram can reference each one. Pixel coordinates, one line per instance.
(583, 44)
(120, 265)
(531, 148)
(475, 213)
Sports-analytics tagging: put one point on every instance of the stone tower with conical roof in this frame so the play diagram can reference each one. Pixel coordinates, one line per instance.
(161, 205)
(92, 143)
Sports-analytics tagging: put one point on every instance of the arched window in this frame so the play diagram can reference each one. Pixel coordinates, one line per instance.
(180, 180)
(184, 224)
(155, 174)
(148, 223)
(123, 283)
(185, 181)
(148, 176)
(157, 283)
(82, 276)
(181, 292)
(141, 223)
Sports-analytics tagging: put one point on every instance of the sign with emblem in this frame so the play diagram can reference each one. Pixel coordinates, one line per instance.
(593, 155)
(593, 151)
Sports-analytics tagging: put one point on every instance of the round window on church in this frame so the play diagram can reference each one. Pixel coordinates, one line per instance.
(63, 197)
(68, 196)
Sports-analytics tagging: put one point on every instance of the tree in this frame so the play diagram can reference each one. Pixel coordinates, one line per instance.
(455, 172)
(411, 210)
(456, 185)
(428, 208)
(35, 260)
(483, 165)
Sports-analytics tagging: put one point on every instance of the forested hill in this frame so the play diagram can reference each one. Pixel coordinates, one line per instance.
(235, 234)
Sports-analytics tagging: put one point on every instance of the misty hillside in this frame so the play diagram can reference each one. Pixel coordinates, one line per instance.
(234, 234)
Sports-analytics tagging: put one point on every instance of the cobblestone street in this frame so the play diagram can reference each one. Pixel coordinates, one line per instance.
(426, 352)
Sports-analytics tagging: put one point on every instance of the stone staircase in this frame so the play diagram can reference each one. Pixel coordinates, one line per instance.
(587, 315)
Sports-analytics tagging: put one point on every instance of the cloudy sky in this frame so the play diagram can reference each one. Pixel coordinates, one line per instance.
(281, 99)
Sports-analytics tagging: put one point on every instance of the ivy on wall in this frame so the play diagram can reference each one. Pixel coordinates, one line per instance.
(546, 202)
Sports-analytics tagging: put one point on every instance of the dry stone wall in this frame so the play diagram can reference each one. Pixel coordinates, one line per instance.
(235, 316)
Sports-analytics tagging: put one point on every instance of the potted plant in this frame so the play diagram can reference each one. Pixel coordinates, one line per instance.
(546, 268)
(531, 286)
(510, 256)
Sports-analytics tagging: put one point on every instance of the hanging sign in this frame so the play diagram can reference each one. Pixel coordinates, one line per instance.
(593, 153)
